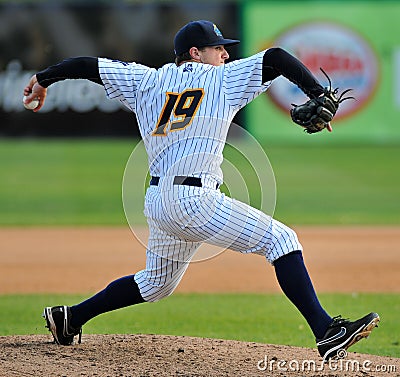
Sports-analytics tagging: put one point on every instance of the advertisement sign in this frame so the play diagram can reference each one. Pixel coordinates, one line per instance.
(353, 42)
(346, 57)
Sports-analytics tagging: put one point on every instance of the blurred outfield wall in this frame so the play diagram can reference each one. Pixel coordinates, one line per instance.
(34, 35)
(356, 42)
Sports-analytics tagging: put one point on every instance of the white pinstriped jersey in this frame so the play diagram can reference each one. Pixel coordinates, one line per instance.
(184, 112)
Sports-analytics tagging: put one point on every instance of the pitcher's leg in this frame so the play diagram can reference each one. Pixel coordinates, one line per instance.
(167, 259)
(118, 294)
(239, 227)
(295, 282)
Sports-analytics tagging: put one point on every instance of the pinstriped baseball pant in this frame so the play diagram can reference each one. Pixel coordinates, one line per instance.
(181, 218)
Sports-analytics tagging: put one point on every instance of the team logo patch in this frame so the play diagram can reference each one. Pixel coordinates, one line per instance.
(188, 68)
(216, 31)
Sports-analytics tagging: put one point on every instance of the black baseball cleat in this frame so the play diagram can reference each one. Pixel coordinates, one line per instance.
(58, 322)
(342, 334)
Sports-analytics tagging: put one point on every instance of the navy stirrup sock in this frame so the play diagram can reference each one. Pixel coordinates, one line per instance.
(118, 294)
(295, 282)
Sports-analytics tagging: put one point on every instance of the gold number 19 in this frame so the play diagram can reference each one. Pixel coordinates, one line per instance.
(183, 106)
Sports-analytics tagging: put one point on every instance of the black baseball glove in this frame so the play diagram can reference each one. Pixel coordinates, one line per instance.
(316, 113)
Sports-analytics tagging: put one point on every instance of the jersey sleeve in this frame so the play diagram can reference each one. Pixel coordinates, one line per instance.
(243, 80)
(121, 80)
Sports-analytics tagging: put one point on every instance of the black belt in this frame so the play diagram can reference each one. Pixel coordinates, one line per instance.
(180, 180)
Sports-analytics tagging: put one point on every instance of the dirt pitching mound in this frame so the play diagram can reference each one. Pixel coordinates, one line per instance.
(159, 355)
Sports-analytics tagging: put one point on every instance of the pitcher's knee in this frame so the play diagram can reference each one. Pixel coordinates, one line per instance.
(284, 240)
(160, 282)
(153, 289)
(155, 294)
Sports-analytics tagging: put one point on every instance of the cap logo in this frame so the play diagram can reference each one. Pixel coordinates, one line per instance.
(216, 31)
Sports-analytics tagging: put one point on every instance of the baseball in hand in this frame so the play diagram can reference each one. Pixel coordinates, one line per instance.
(30, 106)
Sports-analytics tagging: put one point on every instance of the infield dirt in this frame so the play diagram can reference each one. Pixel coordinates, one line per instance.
(32, 259)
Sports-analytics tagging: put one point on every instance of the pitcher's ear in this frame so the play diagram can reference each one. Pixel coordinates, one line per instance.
(194, 53)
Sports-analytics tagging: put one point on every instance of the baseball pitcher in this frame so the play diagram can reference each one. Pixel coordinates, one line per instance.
(184, 110)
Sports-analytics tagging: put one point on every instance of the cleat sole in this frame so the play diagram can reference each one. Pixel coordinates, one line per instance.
(365, 332)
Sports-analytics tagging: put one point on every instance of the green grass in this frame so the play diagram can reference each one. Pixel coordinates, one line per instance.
(62, 182)
(247, 317)
(338, 185)
(78, 182)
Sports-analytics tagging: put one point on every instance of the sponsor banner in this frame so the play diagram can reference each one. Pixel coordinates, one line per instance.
(354, 43)
(344, 55)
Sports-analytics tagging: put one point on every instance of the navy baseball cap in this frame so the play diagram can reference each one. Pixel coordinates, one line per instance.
(199, 34)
